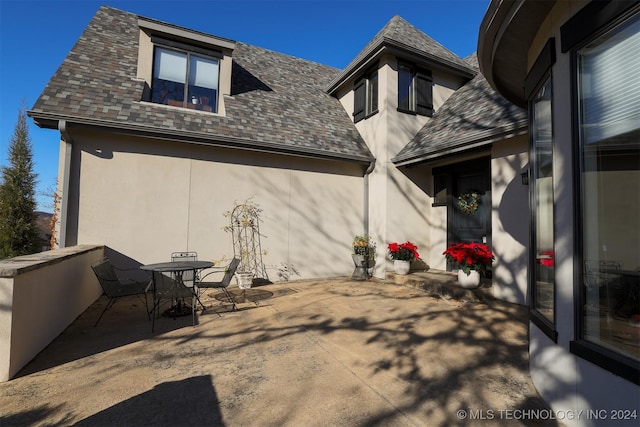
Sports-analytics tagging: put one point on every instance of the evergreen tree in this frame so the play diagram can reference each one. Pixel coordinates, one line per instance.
(18, 225)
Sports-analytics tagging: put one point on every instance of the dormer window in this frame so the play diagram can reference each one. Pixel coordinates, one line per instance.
(184, 68)
(415, 90)
(184, 78)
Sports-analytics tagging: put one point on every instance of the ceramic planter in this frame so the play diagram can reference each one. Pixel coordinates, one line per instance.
(401, 266)
(470, 281)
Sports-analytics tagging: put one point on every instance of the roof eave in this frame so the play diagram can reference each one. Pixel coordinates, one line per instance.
(361, 63)
(468, 143)
(504, 38)
(51, 121)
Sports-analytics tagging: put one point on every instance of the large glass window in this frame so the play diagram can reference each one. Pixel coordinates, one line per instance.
(543, 274)
(609, 129)
(185, 79)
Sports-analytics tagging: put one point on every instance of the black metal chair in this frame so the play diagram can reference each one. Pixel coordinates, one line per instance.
(223, 284)
(115, 287)
(605, 277)
(189, 279)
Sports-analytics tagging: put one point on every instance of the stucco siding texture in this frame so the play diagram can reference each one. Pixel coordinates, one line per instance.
(277, 102)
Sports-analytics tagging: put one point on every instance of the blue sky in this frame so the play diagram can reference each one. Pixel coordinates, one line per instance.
(35, 37)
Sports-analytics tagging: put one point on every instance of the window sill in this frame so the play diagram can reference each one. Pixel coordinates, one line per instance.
(611, 361)
(402, 110)
(373, 113)
(415, 113)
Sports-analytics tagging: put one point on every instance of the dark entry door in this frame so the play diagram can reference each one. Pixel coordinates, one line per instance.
(469, 211)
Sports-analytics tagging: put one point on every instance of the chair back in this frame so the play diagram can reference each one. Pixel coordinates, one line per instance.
(188, 277)
(184, 256)
(231, 270)
(107, 277)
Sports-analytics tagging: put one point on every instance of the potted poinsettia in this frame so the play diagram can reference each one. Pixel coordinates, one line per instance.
(402, 254)
(472, 260)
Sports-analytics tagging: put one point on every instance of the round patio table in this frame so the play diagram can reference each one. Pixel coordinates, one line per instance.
(177, 268)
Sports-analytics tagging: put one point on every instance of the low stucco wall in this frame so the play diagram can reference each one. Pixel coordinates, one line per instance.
(40, 295)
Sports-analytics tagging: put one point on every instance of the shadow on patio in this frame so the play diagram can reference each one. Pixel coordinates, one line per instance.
(331, 352)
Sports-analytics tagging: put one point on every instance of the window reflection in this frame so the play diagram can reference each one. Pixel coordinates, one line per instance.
(170, 80)
(609, 107)
(544, 272)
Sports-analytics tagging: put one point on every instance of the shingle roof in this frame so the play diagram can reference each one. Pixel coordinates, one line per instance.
(400, 34)
(278, 102)
(475, 115)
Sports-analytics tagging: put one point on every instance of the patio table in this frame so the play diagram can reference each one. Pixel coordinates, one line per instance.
(177, 269)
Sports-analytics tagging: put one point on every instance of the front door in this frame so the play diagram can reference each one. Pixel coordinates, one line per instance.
(469, 210)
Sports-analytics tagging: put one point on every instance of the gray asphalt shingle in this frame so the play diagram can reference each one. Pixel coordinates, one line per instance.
(277, 102)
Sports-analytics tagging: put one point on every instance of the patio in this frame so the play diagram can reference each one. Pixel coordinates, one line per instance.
(330, 352)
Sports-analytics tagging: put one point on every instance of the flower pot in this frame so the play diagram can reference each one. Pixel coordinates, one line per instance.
(470, 281)
(401, 266)
(358, 260)
(244, 279)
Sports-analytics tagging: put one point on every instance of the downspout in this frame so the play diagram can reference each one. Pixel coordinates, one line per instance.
(66, 173)
(370, 169)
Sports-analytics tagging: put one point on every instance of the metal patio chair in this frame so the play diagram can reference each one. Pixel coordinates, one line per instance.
(223, 284)
(189, 279)
(115, 287)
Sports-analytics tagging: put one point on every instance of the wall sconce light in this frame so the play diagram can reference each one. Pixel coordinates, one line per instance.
(525, 177)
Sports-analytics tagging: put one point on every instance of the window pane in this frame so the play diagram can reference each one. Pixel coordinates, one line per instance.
(203, 83)
(372, 96)
(405, 88)
(169, 73)
(542, 136)
(609, 70)
(610, 187)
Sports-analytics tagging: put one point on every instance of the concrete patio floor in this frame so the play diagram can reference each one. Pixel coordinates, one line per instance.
(308, 353)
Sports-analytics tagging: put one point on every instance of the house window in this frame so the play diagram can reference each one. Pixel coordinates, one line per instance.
(415, 90)
(608, 84)
(543, 272)
(542, 263)
(185, 79)
(365, 96)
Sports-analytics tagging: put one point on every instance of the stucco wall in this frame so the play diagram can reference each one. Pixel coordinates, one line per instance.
(40, 295)
(510, 219)
(147, 198)
(400, 200)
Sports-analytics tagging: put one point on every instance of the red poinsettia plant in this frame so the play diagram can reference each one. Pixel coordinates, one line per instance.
(406, 251)
(470, 256)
